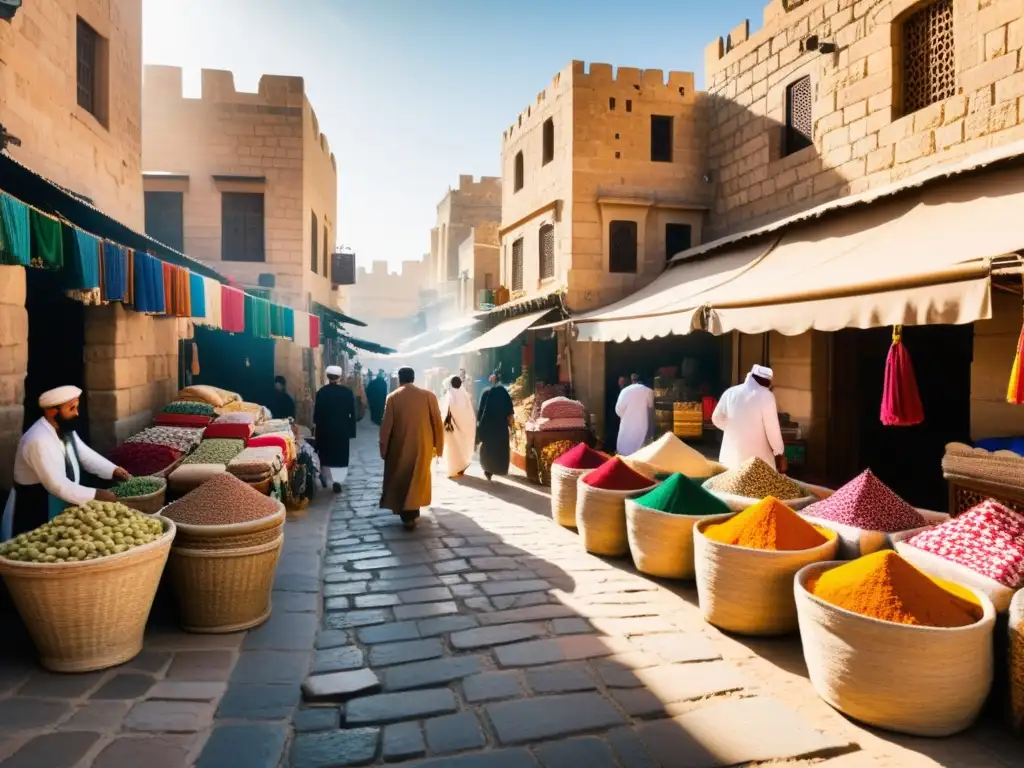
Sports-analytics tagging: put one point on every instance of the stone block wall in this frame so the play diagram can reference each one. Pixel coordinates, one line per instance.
(861, 138)
(13, 366)
(131, 370)
(470, 204)
(381, 293)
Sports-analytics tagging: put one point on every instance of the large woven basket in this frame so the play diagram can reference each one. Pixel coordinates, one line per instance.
(92, 614)
(1016, 662)
(857, 542)
(224, 590)
(601, 518)
(661, 543)
(231, 535)
(925, 681)
(563, 494)
(750, 591)
(150, 503)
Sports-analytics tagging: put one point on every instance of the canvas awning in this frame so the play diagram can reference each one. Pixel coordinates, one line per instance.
(500, 335)
(446, 341)
(921, 259)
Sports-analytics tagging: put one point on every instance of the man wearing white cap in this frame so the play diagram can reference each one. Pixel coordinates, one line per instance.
(334, 424)
(48, 466)
(749, 420)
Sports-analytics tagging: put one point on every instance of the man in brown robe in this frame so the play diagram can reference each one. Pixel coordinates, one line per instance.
(410, 434)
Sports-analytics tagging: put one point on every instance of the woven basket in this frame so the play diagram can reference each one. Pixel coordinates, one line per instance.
(925, 681)
(750, 591)
(601, 518)
(740, 503)
(1016, 662)
(193, 531)
(933, 565)
(239, 541)
(150, 503)
(563, 494)
(661, 543)
(222, 591)
(857, 542)
(263, 486)
(89, 615)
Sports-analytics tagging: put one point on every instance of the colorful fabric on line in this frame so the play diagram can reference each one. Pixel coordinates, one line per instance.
(168, 270)
(115, 272)
(1015, 389)
(232, 309)
(289, 323)
(257, 316)
(314, 331)
(277, 322)
(15, 239)
(81, 260)
(197, 290)
(148, 283)
(212, 317)
(47, 241)
(301, 328)
(182, 292)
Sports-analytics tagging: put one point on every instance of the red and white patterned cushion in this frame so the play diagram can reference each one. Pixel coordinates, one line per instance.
(987, 539)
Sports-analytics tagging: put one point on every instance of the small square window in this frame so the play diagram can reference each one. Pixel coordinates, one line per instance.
(90, 60)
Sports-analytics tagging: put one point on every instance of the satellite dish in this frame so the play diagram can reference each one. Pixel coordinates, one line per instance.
(8, 8)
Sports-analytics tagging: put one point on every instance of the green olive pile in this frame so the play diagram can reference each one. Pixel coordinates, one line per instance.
(217, 450)
(91, 531)
(136, 486)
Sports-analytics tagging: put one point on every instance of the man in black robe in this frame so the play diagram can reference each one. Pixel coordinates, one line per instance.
(334, 424)
(281, 405)
(494, 419)
(377, 395)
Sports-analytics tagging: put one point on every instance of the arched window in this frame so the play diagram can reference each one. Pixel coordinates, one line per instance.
(518, 172)
(549, 141)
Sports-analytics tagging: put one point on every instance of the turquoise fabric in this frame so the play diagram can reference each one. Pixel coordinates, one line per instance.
(15, 241)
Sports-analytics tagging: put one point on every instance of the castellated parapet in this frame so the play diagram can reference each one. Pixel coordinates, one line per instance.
(275, 94)
(601, 76)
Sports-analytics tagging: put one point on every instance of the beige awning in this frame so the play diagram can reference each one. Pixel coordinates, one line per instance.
(918, 260)
(499, 335)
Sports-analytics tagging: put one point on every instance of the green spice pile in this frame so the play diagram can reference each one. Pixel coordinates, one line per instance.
(221, 500)
(215, 451)
(136, 486)
(188, 408)
(755, 480)
(679, 495)
(89, 532)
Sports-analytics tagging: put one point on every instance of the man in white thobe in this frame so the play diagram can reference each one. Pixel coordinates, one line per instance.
(749, 420)
(48, 466)
(634, 408)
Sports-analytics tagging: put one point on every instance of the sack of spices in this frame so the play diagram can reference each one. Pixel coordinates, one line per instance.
(753, 481)
(565, 471)
(865, 513)
(894, 647)
(601, 506)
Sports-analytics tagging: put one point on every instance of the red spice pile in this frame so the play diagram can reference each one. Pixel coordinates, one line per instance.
(581, 456)
(144, 458)
(616, 475)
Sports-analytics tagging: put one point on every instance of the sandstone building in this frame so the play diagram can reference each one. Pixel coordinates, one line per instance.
(247, 183)
(389, 301)
(70, 90)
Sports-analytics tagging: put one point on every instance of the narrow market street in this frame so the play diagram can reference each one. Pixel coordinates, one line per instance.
(487, 638)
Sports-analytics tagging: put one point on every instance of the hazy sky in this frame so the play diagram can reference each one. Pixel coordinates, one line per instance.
(411, 93)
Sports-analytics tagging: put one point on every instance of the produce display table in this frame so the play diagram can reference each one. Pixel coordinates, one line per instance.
(536, 442)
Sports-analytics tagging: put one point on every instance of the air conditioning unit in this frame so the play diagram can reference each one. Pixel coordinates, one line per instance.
(267, 280)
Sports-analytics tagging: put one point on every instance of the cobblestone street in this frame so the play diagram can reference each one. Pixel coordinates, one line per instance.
(487, 638)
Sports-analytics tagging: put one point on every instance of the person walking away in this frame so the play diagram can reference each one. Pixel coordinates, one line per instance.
(376, 394)
(612, 420)
(459, 427)
(411, 432)
(282, 405)
(634, 408)
(334, 424)
(493, 423)
(749, 419)
(48, 467)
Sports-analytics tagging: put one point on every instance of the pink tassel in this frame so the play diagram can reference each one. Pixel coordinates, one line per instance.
(901, 401)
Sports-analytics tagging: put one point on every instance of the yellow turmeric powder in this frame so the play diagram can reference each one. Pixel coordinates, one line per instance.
(884, 586)
(769, 524)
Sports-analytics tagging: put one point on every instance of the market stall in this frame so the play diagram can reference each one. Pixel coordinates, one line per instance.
(546, 424)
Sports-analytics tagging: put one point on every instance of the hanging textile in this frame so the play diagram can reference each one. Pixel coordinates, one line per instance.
(301, 325)
(277, 329)
(81, 260)
(114, 273)
(147, 283)
(314, 331)
(197, 289)
(212, 318)
(257, 316)
(901, 401)
(47, 241)
(232, 308)
(182, 292)
(194, 367)
(168, 270)
(15, 240)
(289, 323)
(1015, 389)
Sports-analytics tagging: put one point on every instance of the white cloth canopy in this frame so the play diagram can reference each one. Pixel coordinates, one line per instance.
(634, 408)
(749, 420)
(458, 444)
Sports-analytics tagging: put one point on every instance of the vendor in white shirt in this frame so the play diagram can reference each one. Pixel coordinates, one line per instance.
(749, 420)
(48, 466)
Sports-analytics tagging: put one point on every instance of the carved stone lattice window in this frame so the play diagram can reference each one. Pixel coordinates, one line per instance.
(928, 56)
(799, 118)
(547, 251)
(517, 265)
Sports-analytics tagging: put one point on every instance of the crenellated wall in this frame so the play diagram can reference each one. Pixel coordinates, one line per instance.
(471, 203)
